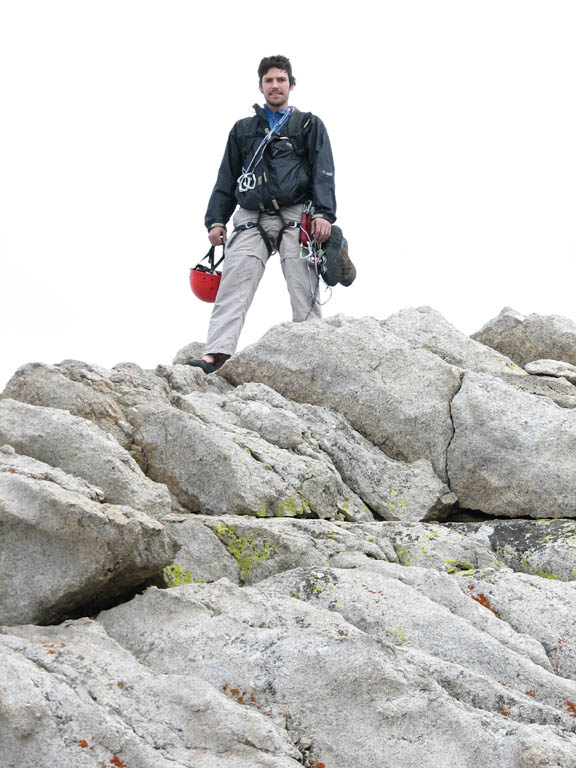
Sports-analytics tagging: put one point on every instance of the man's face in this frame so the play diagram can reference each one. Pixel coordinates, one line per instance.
(275, 85)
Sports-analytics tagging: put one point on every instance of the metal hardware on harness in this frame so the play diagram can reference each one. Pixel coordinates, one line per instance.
(260, 228)
(264, 236)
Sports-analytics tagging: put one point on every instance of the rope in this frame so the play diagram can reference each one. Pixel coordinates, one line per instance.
(247, 180)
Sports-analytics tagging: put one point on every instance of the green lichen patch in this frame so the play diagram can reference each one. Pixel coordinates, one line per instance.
(175, 576)
(247, 551)
(297, 506)
(403, 554)
(457, 566)
(397, 635)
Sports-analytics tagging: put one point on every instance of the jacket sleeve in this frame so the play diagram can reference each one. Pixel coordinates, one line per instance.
(223, 198)
(322, 171)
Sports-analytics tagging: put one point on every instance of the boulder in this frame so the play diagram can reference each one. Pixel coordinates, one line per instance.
(555, 368)
(13, 463)
(195, 349)
(394, 394)
(80, 448)
(220, 468)
(532, 337)
(545, 548)
(349, 696)
(426, 328)
(391, 489)
(82, 389)
(61, 548)
(513, 454)
(72, 697)
(202, 555)
(559, 391)
(247, 550)
(183, 379)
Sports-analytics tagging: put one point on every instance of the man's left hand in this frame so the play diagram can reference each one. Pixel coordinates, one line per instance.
(321, 229)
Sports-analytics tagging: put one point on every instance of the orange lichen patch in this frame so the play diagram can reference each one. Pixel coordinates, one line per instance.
(373, 591)
(49, 645)
(483, 600)
(571, 707)
(318, 765)
(530, 693)
(241, 697)
(118, 763)
(52, 652)
(12, 471)
(83, 743)
(503, 683)
(504, 713)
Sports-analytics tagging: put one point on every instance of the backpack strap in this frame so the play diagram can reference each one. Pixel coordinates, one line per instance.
(295, 129)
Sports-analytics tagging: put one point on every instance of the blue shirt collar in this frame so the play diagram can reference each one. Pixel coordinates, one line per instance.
(274, 117)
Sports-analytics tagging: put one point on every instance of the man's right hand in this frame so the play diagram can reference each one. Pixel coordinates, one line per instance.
(217, 235)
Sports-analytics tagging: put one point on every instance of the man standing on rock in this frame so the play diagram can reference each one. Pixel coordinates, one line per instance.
(274, 162)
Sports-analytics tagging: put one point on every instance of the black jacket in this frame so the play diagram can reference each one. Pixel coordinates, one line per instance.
(294, 168)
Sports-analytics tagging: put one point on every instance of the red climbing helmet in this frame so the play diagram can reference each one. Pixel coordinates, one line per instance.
(205, 280)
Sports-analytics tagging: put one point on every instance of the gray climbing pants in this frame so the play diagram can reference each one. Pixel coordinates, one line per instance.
(243, 267)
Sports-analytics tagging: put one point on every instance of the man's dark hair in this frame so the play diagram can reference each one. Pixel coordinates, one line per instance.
(280, 62)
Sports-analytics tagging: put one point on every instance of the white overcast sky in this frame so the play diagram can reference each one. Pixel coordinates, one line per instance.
(452, 124)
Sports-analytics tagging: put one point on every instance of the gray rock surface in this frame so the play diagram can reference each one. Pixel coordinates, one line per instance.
(73, 698)
(247, 550)
(219, 468)
(428, 329)
(322, 611)
(183, 379)
(80, 448)
(106, 396)
(391, 489)
(535, 607)
(454, 632)
(513, 455)
(82, 390)
(545, 548)
(193, 350)
(13, 463)
(396, 395)
(554, 368)
(559, 391)
(60, 548)
(532, 337)
(358, 696)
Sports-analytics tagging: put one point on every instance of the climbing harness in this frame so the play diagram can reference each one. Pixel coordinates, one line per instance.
(205, 280)
(247, 180)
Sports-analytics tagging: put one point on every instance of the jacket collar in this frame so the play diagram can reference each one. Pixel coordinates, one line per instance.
(262, 114)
